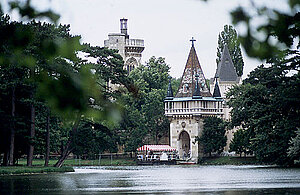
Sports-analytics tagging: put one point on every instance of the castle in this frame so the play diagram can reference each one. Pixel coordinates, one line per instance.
(130, 49)
(193, 102)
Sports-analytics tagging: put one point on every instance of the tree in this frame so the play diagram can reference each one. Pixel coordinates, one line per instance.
(59, 74)
(229, 37)
(240, 142)
(93, 138)
(273, 129)
(277, 33)
(144, 120)
(96, 99)
(11, 77)
(175, 83)
(47, 153)
(30, 43)
(267, 106)
(213, 137)
(49, 51)
(294, 149)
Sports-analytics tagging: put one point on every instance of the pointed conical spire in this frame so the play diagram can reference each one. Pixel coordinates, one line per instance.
(197, 94)
(188, 80)
(226, 70)
(170, 91)
(217, 92)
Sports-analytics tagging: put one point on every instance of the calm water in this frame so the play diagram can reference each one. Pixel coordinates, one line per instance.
(229, 180)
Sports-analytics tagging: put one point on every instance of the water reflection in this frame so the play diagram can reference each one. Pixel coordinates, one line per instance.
(229, 180)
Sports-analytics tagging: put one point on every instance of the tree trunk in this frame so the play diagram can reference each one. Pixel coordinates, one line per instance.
(47, 141)
(5, 158)
(32, 134)
(12, 129)
(65, 153)
(61, 147)
(67, 149)
(32, 125)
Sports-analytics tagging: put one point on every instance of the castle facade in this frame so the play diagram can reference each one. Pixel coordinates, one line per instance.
(193, 102)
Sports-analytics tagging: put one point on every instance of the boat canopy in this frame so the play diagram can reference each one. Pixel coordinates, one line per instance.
(156, 148)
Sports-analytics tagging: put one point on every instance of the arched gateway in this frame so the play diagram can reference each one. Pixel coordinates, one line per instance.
(191, 104)
(184, 142)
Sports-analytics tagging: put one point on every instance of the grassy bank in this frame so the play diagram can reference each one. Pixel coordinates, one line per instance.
(229, 160)
(38, 165)
(76, 162)
(67, 166)
(19, 170)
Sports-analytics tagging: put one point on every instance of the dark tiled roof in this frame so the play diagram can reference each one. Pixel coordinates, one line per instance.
(170, 91)
(226, 70)
(188, 80)
(217, 92)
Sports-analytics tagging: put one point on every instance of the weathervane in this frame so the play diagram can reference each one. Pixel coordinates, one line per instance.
(192, 40)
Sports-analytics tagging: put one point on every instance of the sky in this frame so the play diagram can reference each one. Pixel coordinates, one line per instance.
(165, 25)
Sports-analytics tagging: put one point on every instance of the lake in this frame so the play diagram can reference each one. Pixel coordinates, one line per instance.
(196, 179)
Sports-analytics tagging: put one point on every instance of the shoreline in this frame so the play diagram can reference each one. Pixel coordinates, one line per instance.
(69, 165)
(23, 170)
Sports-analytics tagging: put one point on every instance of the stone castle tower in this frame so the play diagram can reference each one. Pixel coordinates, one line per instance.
(225, 78)
(186, 111)
(130, 49)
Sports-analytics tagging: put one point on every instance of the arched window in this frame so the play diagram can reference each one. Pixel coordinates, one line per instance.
(130, 64)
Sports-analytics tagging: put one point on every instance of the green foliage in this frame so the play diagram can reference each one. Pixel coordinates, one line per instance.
(152, 75)
(144, 120)
(23, 76)
(52, 77)
(50, 51)
(109, 65)
(229, 37)
(93, 138)
(213, 137)
(277, 33)
(27, 11)
(104, 161)
(294, 149)
(175, 82)
(267, 105)
(241, 142)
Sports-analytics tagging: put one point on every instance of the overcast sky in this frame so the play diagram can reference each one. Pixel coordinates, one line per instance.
(165, 25)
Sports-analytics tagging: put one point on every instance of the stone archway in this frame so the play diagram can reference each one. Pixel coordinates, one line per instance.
(184, 144)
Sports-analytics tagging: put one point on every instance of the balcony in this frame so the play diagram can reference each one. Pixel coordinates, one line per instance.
(194, 111)
(134, 45)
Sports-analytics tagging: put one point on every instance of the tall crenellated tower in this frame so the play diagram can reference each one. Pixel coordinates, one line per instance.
(130, 49)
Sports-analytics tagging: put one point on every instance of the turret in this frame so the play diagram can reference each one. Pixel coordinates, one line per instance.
(170, 91)
(188, 81)
(225, 70)
(130, 49)
(217, 93)
(123, 27)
